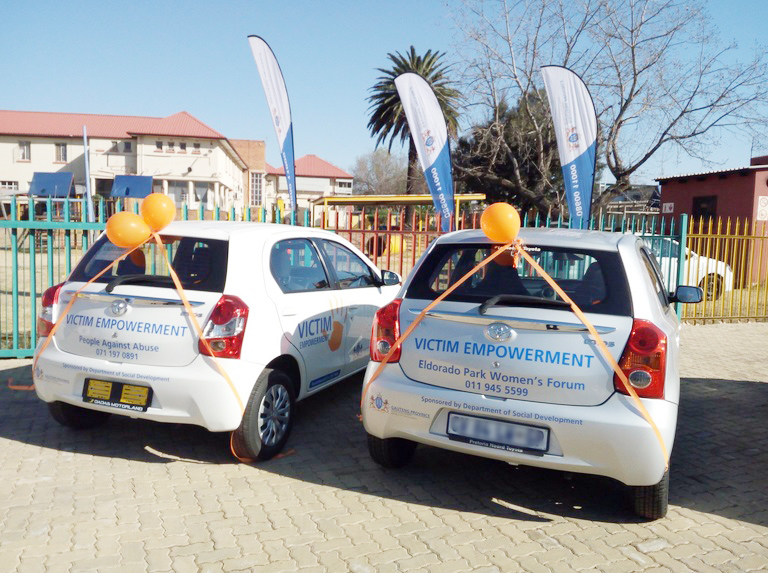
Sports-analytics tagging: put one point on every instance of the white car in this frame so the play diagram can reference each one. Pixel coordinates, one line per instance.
(503, 369)
(713, 276)
(286, 310)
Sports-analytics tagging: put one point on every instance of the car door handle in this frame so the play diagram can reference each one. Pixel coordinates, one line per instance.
(288, 312)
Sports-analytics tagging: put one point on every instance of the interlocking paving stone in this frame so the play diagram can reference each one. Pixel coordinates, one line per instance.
(140, 496)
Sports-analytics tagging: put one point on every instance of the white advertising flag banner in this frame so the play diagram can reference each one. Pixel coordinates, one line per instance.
(430, 135)
(573, 115)
(279, 107)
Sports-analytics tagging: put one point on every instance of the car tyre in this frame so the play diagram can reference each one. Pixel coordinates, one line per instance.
(651, 501)
(268, 417)
(391, 452)
(712, 286)
(77, 418)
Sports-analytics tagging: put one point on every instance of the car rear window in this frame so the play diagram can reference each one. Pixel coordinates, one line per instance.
(595, 280)
(201, 264)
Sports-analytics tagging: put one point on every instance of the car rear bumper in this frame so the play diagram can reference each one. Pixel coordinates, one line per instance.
(611, 439)
(193, 394)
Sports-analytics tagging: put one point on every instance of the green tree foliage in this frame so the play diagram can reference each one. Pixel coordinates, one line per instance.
(512, 157)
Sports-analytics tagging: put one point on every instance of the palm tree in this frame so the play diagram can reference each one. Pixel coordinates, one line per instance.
(388, 119)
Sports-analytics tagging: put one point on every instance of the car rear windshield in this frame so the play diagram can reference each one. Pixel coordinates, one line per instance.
(201, 264)
(594, 280)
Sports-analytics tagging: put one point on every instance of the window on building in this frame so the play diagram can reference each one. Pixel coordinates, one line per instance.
(9, 185)
(127, 147)
(61, 152)
(257, 189)
(345, 184)
(25, 151)
(113, 147)
(704, 206)
(195, 148)
(182, 147)
(202, 188)
(179, 190)
(170, 147)
(158, 145)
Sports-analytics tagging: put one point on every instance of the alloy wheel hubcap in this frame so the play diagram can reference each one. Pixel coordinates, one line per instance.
(274, 415)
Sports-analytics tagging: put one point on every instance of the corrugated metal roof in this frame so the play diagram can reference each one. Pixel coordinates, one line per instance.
(312, 166)
(54, 124)
(715, 172)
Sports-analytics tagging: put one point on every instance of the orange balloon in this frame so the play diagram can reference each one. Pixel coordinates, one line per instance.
(500, 222)
(127, 230)
(158, 210)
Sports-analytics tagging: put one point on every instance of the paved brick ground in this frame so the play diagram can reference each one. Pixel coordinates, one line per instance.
(137, 496)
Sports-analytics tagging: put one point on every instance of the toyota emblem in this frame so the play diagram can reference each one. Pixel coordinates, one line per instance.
(498, 331)
(119, 307)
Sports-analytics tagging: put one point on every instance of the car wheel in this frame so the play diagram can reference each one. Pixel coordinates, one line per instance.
(268, 417)
(651, 501)
(712, 286)
(391, 452)
(75, 417)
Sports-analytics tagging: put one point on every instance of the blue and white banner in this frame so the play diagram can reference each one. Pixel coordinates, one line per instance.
(279, 107)
(573, 115)
(430, 135)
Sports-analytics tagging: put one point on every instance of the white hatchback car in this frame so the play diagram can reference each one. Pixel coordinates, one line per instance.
(715, 277)
(287, 311)
(503, 369)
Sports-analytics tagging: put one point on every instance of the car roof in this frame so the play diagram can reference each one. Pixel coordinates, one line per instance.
(226, 229)
(549, 237)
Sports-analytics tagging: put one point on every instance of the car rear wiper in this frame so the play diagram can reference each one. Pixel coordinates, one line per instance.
(521, 300)
(138, 278)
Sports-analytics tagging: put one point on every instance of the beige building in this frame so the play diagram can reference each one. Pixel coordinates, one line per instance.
(267, 187)
(186, 159)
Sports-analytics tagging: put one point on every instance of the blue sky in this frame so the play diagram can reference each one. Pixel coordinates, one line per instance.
(158, 58)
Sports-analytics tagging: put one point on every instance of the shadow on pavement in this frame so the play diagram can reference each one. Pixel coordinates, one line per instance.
(718, 465)
(720, 459)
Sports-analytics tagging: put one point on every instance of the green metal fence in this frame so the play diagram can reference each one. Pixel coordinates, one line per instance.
(41, 241)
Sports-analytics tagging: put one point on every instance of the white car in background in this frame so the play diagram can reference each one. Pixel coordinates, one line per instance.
(503, 369)
(714, 277)
(286, 311)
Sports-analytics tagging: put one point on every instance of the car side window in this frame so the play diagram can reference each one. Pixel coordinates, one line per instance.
(296, 267)
(655, 274)
(351, 271)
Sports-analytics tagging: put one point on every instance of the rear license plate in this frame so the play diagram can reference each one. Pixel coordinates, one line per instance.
(117, 395)
(496, 434)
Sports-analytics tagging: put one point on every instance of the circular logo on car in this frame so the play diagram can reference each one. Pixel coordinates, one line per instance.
(119, 307)
(498, 331)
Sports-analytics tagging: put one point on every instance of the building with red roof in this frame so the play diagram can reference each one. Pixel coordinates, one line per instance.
(739, 193)
(186, 159)
(267, 187)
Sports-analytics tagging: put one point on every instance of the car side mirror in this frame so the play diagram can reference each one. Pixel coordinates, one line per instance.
(390, 278)
(687, 294)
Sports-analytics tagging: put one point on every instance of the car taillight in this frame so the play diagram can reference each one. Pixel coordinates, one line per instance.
(225, 328)
(644, 361)
(45, 318)
(386, 330)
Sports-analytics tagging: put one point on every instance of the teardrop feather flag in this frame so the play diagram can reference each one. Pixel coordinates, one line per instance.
(573, 115)
(430, 135)
(279, 106)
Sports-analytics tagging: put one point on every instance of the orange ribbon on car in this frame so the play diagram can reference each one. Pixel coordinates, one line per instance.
(520, 251)
(185, 302)
(71, 302)
(193, 319)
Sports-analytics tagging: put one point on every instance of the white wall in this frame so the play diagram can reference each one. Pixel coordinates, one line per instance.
(212, 164)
